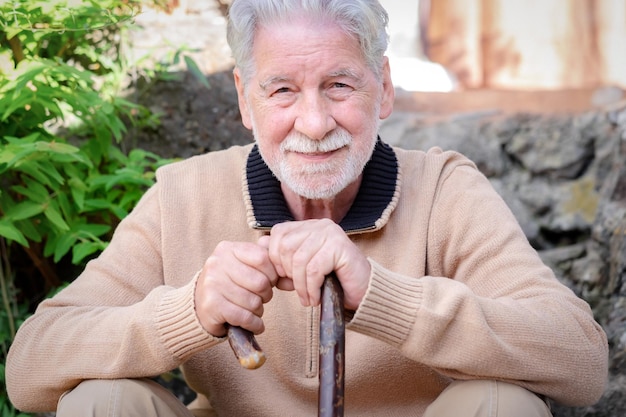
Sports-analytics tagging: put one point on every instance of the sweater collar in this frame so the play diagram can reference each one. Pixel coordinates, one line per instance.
(376, 199)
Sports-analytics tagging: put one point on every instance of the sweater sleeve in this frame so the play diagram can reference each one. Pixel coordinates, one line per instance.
(116, 320)
(487, 308)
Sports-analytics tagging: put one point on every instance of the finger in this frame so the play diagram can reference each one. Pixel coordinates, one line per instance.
(254, 284)
(239, 281)
(285, 284)
(245, 299)
(287, 251)
(260, 273)
(314, 281)
(214, 309)
(308, 246)
(234, 283)
(315, 258)
(274, 251)
(264, 241)
(302, 249)
(241, 317)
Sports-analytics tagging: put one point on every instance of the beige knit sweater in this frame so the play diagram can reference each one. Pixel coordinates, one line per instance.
(456, 292)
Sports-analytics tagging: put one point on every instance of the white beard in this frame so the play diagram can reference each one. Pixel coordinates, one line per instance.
(318, 180)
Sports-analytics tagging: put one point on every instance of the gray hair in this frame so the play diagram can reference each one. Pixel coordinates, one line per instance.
(366, 20)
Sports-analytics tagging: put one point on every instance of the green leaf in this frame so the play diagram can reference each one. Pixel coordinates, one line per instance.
(19, 102)
(24, 210)
(31, 138)
(7, 154)
(33, 190)
(33, 170)
(11, 31)
(9, 231)
(51, 106)
(97, 204)
(119, 212)
(52, 213)
(42, 171)
(51, 244)
(51, 170)
(126, 177)
(196, 72)
(63, 245)
(66, 207)
(56, 147)
(129, 199)
(78, 190)
(92, 230)
(18, 148)
(83, 249)
(32, 230)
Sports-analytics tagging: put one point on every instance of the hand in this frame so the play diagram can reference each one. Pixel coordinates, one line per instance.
(304, 252)
(235, 282)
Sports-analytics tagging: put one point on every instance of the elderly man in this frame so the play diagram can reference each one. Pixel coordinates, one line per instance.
(451, 312)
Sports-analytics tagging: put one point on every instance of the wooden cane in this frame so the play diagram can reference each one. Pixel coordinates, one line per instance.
(245, 347)
(331, 349)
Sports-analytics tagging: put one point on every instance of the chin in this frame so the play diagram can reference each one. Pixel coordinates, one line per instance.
(320, 191)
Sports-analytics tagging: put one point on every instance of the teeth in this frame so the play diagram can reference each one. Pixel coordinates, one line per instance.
(302, 144)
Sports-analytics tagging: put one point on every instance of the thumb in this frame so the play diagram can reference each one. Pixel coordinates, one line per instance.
(264, 241)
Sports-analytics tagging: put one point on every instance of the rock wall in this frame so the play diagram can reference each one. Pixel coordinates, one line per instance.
(564, 177)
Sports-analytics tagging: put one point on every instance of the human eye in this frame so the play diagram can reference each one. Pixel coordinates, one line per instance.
(282, 95)
(281, 90)
(340, 85)
(339, 90)
(276, 86)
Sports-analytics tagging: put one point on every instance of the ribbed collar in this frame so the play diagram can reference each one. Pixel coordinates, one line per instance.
(376, 199)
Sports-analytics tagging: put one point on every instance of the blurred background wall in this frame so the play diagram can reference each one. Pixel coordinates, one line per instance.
(504, 44)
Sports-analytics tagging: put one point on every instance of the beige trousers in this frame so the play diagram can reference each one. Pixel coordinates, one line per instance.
(146, 398)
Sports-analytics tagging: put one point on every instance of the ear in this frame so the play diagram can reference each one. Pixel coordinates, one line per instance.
(389, 93)
(241, 97)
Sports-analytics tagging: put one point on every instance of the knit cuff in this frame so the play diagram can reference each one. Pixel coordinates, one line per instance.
(389, 307)
(178, 325)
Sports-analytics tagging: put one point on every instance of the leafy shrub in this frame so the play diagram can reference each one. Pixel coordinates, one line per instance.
(65, 181)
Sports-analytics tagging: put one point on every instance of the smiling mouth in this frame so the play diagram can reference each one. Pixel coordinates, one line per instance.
(323, 152)
(316, 156)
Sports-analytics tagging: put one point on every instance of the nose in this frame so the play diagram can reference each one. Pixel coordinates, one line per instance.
(314, 118)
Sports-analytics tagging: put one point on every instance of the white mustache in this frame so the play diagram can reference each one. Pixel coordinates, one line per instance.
(297, 142)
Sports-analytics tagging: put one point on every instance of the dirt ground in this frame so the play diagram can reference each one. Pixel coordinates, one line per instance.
(194, 119)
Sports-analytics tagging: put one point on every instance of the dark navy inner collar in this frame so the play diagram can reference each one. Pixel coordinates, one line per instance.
(375, 194)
